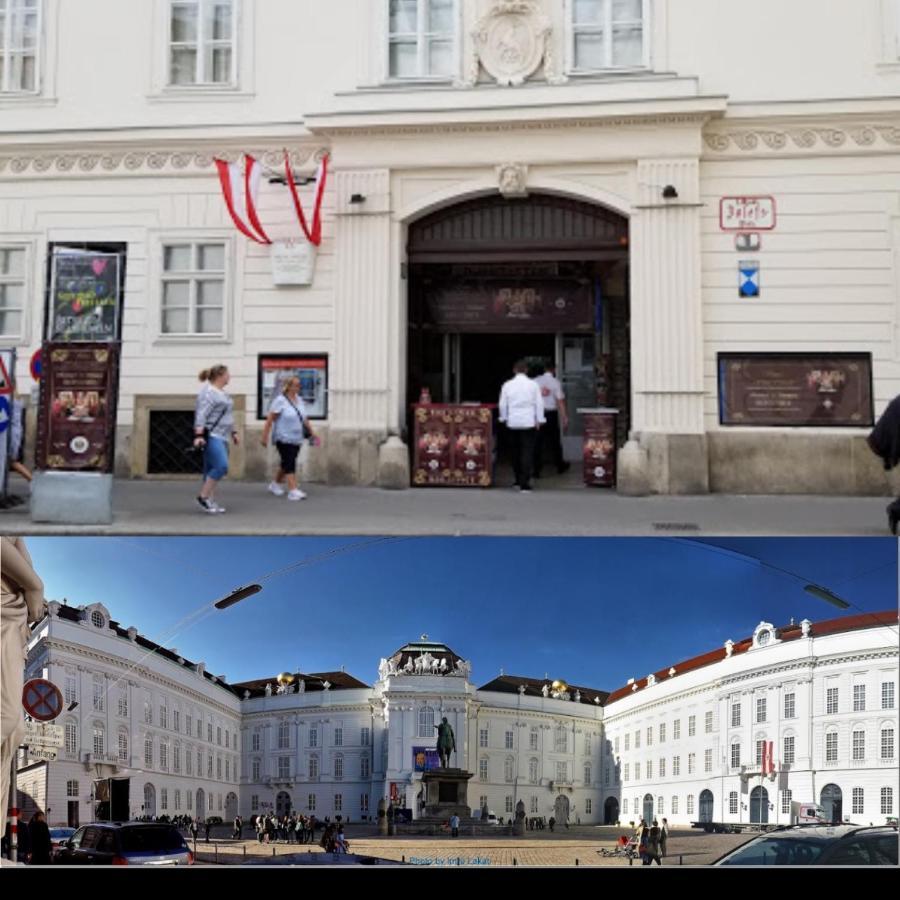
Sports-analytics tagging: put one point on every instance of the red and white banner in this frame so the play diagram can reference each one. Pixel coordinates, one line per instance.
(768, 757)
(313, 232)
(240, 190)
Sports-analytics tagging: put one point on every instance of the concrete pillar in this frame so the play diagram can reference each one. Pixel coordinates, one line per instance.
(360, 388)
(667, 326)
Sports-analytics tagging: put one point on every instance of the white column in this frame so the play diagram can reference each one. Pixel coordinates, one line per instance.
(360, 369)
(666, 307)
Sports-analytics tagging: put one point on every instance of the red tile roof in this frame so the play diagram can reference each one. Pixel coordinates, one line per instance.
(787, 633)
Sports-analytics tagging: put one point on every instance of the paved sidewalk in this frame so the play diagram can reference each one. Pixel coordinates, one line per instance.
(169, 507)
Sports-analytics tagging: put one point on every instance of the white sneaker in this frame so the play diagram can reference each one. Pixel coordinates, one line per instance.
(296, 495)
(276, 489)
(217, 508)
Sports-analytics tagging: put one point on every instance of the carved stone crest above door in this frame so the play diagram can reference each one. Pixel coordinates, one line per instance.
(511, 42)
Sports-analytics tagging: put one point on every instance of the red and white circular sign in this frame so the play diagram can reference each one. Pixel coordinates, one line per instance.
(42, 699)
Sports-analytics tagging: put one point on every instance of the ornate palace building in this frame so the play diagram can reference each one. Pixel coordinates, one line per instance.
(152, 733)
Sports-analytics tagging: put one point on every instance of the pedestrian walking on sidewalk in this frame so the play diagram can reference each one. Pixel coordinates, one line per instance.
(522, 411)
(41, 845)
(663, 837)
(290, 423)
(884, 441)
(549, 438)
(213, 432)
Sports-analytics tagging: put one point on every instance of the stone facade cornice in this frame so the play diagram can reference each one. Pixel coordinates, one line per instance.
(136, 158)
(801, 139)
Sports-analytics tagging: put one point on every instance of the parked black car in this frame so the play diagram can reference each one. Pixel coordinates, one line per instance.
(126, 844)
(818, 845)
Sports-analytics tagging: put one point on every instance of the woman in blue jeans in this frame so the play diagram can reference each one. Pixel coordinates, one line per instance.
(214, 417)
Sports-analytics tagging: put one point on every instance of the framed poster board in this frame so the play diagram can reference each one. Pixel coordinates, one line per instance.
(454, 446)
(84, 292)
(796, 389)
(77, 415)
(273, 369)
(425, 759)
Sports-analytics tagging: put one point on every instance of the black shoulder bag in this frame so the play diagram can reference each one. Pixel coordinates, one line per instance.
(195, 452)
(307, 431)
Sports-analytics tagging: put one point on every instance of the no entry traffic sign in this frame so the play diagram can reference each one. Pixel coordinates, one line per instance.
(35, 365)
(42, 699)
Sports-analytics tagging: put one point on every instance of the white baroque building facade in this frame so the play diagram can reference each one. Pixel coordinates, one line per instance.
(616, 128)
(684, 743)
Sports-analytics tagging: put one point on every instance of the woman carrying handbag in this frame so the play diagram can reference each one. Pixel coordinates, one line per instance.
(213, 430)
(287, 416)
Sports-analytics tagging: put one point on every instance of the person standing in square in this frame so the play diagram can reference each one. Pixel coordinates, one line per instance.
(557, 416)
(522, 411)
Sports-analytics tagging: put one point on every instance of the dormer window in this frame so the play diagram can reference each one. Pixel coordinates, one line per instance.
(421, 38)
(608, 34)
(763, 638)
(764, 635)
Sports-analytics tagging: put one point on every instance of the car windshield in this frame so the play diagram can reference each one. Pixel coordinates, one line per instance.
(777, 851)
(147, 840)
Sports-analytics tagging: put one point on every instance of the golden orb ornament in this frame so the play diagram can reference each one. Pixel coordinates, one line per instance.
(285, 678)
(560, 686)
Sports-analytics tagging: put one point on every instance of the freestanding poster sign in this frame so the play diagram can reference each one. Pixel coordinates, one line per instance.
(79, 384)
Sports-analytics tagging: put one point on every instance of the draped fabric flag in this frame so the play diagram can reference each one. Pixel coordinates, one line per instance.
(240, 191)
(768, 757)
(313, 232)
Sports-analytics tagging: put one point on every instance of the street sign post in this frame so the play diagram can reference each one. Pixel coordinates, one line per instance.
(48, 754)
(42, 699)
(42, 735)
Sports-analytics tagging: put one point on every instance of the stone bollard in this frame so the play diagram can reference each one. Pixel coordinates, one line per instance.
(393, 465)
(633, 475)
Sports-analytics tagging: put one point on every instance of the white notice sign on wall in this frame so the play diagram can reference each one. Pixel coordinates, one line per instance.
(293, 263)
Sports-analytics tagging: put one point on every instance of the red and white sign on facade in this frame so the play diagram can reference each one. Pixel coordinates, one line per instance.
(747, 214)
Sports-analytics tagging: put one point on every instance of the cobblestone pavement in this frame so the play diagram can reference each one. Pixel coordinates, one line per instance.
(576, 847)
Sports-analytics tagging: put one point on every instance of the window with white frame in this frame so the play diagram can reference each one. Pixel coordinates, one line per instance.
(637, 771)
(202, 36)
(887, 694)
(254, 742)
(71, 737)
(482, 801)
(887, 801)
(422, 37)
(625, 805)
(123, 746)
(674, 805)
(831, 746)
(831, 700)
(284, 767)
(148, 713)
(736, 715)
(509, 803)
(99, 693)
(209, 766)
(533, 739)
(193, 289)
(533, 770)
(562, 771)
(859, 744)
(508, 740)
(219, 767)
(676, 766)
(163, 716)
(284, 735)
(708, 722)
(650, 736)
(626, 774)
(163, 756)
(587, 775)
(71, 788)
(887, 742)
(483, 769)
(148, 752)
(787, 754)
(364, 767)
(20, 36)
(176, 758)
(733, 803)
(608, 34)
(177, 799)
(760, 709)
(188, 761)
(311, 802)
(588, 807)
(692, 726)
(707, 760)
(164, 798)
(858, 807)
(313, 737)
(426, 722)
(561, 740)
(637, 739)
(662, 732)
(482, 737)
(255, 769)
(199, 727)
(534, 804)
(227, 769)
(339, 766)
(690, 804)
(587, 745)
(786, 801)
(627, 743)
(314, 766)
(218, 735)
(364, 803)
(99, 739)
(691, 762)
(790, 706)
(735, 755)
(859, 698)
(509, 769)
(676, 730)
(71, 681)
(662, 767)
(364, 738)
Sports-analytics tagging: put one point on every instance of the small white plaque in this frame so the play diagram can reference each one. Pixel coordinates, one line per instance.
(293, 263)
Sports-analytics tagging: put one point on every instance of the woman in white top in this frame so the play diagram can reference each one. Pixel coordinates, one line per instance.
(287, 416)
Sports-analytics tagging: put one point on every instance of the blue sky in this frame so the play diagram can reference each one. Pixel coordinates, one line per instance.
(592, 611)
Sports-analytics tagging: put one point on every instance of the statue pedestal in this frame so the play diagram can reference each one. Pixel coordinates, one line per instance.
(446, 793)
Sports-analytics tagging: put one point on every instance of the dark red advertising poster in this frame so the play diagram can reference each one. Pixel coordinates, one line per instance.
(453, 446)
(600, 449)
(79, 391)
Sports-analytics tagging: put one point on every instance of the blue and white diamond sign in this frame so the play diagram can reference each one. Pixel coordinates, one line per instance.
(748, 278)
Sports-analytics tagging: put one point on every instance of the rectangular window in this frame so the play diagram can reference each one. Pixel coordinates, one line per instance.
(831, 700)
(662, 767)
(199, 728)
(707, 760)
(421, 38)
(562, 771)
(209, 766)
(219, 767)
(615, 746)
(199, 763)
(188, 722)
(163, 717)
(587, 806)
(163, 798)
(637, 740)
(786, 801)
(676, 766)
(735, 756)
(789, 706)
(692, 758)
(202, 42)
(761, 709)
(71, 683)
(606, 775)
(123, 705)
(676, 730)
(561, 743)
(313, 737)
(587, 745)
(692, 726)
(626, 775)
(650, 736)
(708, 722)
(71, 737)
(533, 739)
(123, 747)
(254, 802)
(859, 745)
(887, 743)
(859, 698)
(364, 767)
(284, 736)
(483, 769)
(148, 753)
(733, 803)
(99, 694)
(637, 771)
(674, 806)
(255, 769)
(339, 767)
(20, 30)
(587, 775)
(364, 803)
(284, 767)
(254, 742)
(177, 800)
(508, 740)
(193, 289)
(788, 752)
(71, 788)
(314, 767)
(227, 745)
(176, 720)
(311, 802)
(509, 803)
(163, 757)
(736, 715)
(627, 742)
(607, 34)
(364, 737)
(227, 769)
(887, 801)
(831, 747)
(209, 732)
(218, 735)
(690, 804)
(482, 737)
(887, 694)
(759, 752)
(858, 802)
(534, 804)
(148, 712)
(662, 733)
(190, 800)
(338, 737)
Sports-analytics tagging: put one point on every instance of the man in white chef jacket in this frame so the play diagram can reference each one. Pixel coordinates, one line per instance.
(522, 411)
(550, 437)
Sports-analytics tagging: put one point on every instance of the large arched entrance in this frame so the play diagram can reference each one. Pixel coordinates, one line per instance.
(201, 804)
(648, 809)
(561, 809)
(542, 278)
(706, 806)
(283, 804)
(759, 806)
(231, 806)
(611, 811)
(149, 800)
(833, 803)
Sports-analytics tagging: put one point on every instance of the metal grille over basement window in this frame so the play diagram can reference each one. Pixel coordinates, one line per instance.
(171, 431)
